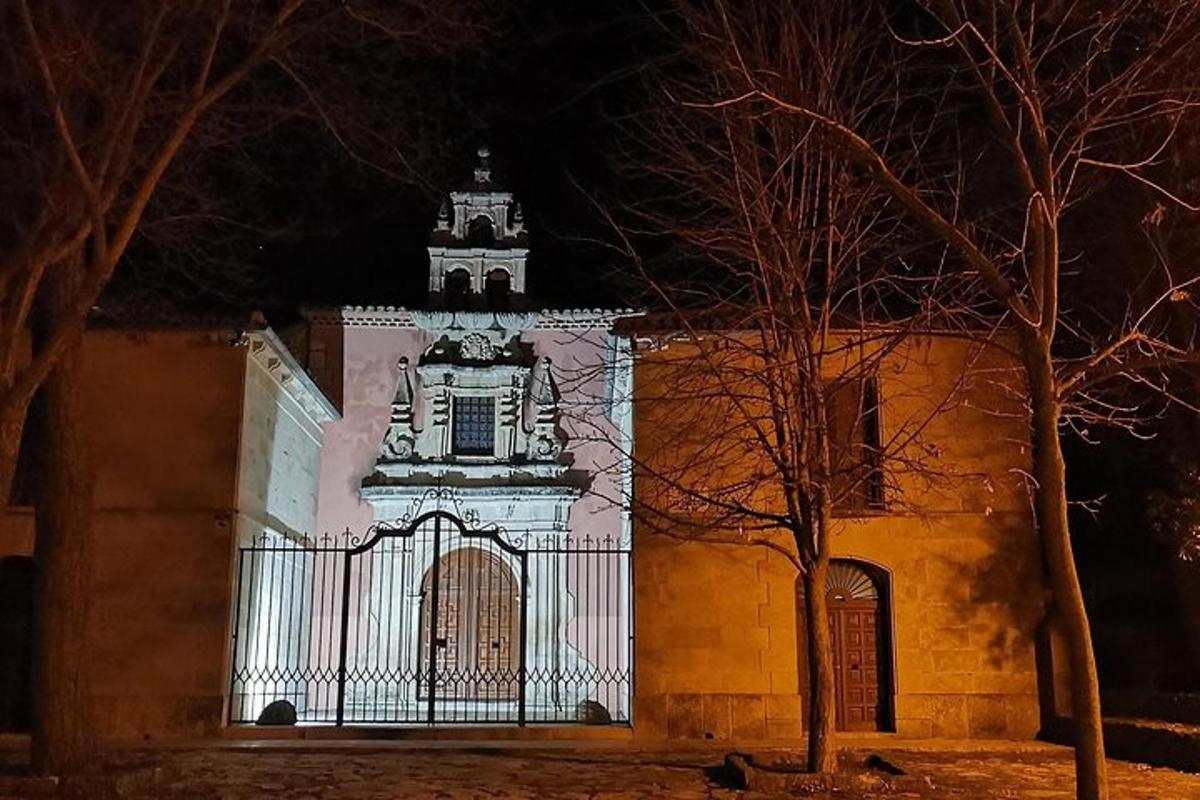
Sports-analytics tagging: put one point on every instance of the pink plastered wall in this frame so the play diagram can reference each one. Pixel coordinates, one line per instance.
(369, 376)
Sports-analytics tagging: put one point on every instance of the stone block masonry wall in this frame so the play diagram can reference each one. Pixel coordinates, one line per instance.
(165, 417)
(715, 642)
(719, 651)
(965, 606)
(719, 647)
(166, 423)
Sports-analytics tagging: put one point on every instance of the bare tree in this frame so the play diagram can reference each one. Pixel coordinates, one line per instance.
(101, 101)
(1015, 112)
(104, 97)
(759, 402)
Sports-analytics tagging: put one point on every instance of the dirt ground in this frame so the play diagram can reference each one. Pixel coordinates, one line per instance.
(329, 772)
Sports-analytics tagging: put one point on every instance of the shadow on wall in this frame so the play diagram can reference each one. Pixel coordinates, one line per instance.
(369, 388)
(16, 641)
(999, 598)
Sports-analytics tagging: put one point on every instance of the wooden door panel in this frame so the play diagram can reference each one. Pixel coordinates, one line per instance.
(856, 658)
(475, 654)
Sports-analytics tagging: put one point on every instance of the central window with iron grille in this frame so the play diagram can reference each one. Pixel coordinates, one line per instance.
(474, 432)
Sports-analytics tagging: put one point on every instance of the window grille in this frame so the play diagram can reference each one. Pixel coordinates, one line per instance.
(474, 431)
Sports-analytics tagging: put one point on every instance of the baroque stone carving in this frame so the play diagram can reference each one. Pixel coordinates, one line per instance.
(547, 449)
(396, 446)
(476, 347)
(546, 441)
(400, 437)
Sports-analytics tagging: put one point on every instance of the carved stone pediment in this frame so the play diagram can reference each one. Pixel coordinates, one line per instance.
(478, 349)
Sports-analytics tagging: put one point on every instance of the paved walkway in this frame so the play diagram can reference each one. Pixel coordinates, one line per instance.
(384, 772)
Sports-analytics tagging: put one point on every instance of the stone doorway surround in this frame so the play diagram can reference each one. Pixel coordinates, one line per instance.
(857, 594)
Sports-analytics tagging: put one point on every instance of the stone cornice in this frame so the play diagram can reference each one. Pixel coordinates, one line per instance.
(525, 475)
(499, 251)
(396, 317)
(268, 351)
(493, 493)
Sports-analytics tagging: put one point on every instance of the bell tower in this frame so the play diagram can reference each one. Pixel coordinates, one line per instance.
(478, 248)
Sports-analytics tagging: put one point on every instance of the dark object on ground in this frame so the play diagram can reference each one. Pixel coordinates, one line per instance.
(281, 712)
(881, 764)
(741, 771)
(589, 712)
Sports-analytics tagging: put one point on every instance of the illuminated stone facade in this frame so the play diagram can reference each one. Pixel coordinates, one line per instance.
(515, 420)
(208, 440)
(720, 649)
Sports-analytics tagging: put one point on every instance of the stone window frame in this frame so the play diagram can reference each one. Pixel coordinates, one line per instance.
(441, 384)
(468, 399)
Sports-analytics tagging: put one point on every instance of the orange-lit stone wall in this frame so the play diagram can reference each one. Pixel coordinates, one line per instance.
(717, 649)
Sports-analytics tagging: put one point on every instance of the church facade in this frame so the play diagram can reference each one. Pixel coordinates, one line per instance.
(421, 517)
(479, 470)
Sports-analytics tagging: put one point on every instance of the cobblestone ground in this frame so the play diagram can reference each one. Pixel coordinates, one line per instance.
(326, 773)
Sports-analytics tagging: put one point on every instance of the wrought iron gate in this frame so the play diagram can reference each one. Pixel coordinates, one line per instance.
(434, 622)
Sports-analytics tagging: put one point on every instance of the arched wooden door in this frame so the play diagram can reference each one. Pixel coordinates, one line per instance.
(858, 626)
(474, 629)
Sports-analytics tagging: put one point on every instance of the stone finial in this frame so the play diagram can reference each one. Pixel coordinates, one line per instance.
(404, 392)
(545, 391)
(546, 440)
(483, 172)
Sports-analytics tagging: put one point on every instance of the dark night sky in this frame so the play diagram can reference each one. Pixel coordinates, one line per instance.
(539, 94)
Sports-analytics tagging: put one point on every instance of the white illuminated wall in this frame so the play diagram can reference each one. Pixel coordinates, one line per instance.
(278, 487)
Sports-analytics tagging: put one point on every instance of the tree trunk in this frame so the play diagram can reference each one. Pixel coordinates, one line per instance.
(822, 755)
(12, 422)
(1050, 508)
(62, 728)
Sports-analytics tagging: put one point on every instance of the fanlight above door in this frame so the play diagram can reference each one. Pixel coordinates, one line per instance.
(847, 581)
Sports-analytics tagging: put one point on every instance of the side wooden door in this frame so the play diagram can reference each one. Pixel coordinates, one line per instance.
(854, 625)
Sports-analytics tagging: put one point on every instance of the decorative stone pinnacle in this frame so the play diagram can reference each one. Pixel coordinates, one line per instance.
(404, 393)
(483, 173)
